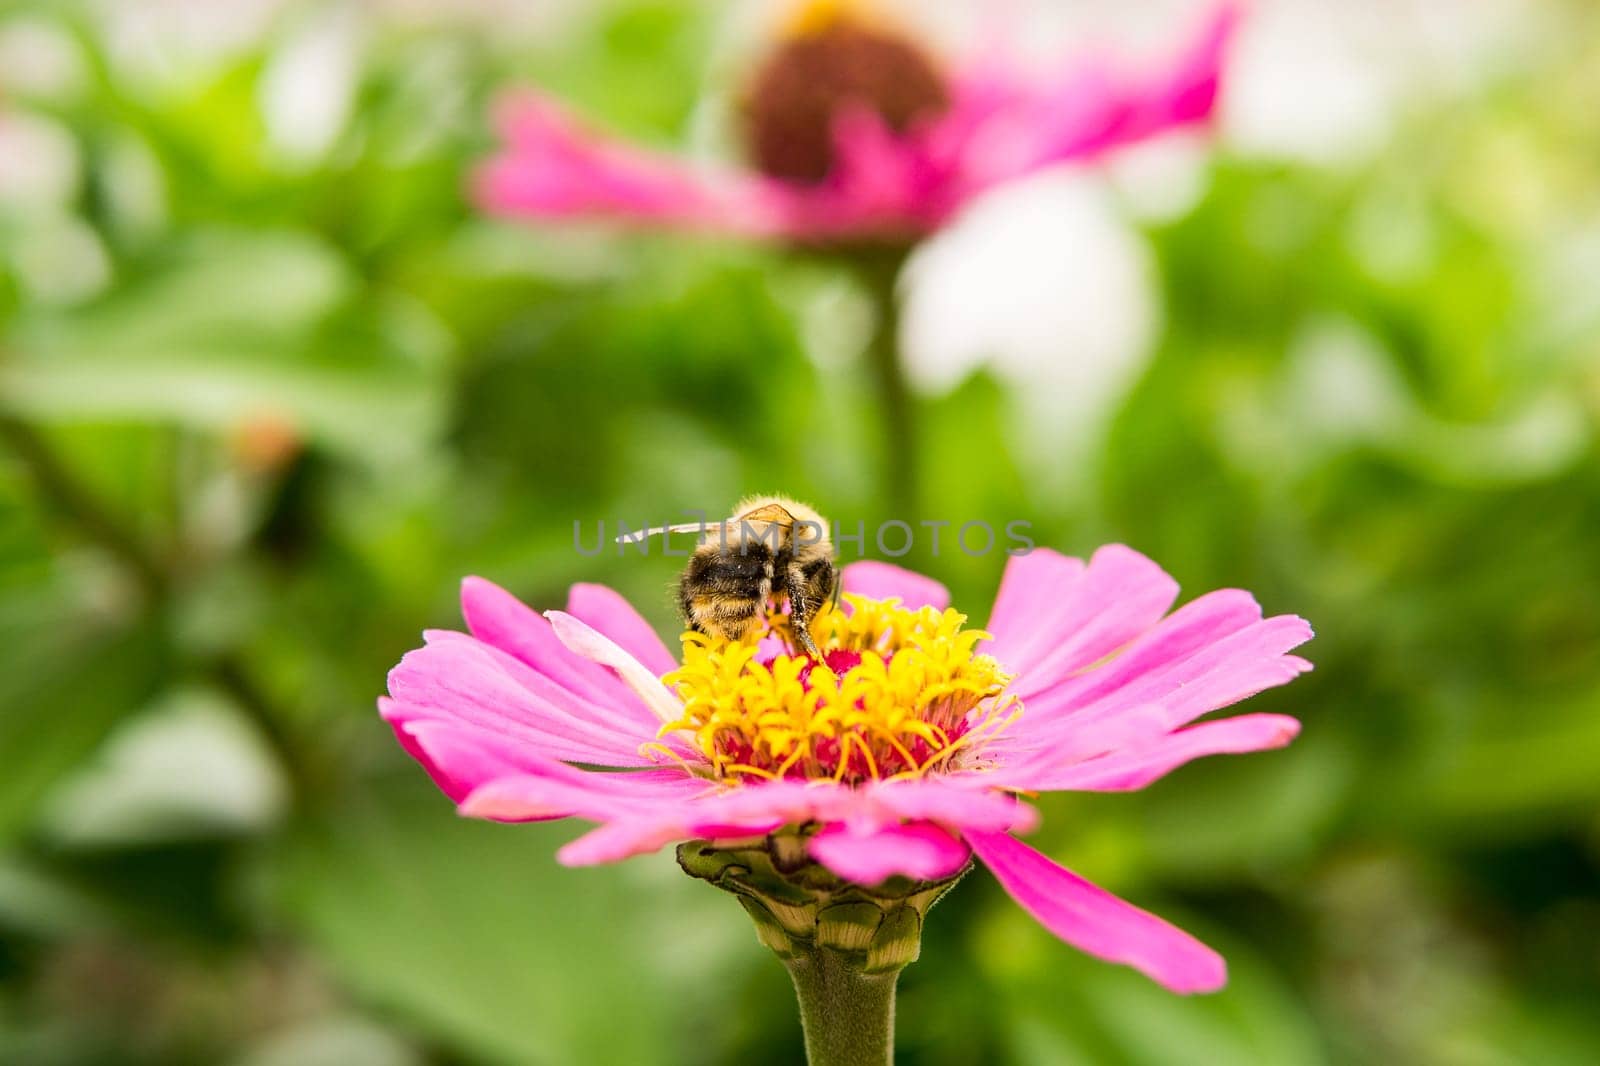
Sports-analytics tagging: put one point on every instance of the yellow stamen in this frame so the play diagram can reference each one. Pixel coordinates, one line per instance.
(815, 16)
(899, 693)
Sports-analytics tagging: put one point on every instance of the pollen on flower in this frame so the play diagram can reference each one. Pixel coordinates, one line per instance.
(897, 693)
(830, 60)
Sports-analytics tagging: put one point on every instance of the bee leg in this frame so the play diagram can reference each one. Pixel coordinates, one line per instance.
(800, 610)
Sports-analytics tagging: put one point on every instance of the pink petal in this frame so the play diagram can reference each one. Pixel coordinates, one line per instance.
(459, 678)
(640, 833)
(1192, 628)
(458, 757)
(884, 186)
(615, 709)
(1084, 700)
(1254, 662)
(1189, 92)
(1072, 739)
(552, 789)
(958, 801)
(624, 838)
(876, 170)
(921, 851)
(780, 802)
(593, 645)
(757, 809)
(552, 167)
(751, 810)
(1030, 586)
(882, 581)
(1209, 654)
(609, 613)
(754, 810)
(498, 618)
(1134, 768)
(1093, 920)
(1232, 668)
(453, 785)
(1054, 617)
(887, 185)
(1004, 127)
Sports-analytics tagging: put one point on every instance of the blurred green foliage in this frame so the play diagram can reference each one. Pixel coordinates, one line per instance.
(260, 411)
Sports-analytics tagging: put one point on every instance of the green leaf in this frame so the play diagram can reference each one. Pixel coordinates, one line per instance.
(189, 767)
(1064, 1007)
(62, 694)
(475, 932)
(240, 326)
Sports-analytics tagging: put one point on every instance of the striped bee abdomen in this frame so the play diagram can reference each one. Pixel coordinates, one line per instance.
(725, 593)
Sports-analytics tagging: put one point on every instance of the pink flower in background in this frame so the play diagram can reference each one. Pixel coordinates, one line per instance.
(855, 134)
(904, 751)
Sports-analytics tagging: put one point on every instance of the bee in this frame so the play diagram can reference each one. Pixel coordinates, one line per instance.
(770, 551)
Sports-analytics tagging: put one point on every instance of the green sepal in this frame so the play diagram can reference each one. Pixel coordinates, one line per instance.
(799, 906)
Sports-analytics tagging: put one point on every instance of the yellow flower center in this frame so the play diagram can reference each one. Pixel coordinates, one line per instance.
(816, 16)
(897, 693)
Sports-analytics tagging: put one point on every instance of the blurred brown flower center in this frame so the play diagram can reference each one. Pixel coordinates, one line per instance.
(822, 70)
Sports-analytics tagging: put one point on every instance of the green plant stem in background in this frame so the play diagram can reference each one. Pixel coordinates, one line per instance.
(76, 505)
(848, 1015)
(896, 405)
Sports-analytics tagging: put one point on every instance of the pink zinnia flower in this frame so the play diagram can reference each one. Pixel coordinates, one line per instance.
(856, 135)
(903, 752)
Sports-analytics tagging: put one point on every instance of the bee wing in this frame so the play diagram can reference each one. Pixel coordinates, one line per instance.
(635, 536)
(768, 512)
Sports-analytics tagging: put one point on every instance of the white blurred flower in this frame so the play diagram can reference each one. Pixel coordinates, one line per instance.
(1039, 29)
(1342, 387)
(1163, 179)
(166, 39)
(38, 163)
(308, 87)
(1324, 83)
(39, 59)
(515, 17)
(1046, 282)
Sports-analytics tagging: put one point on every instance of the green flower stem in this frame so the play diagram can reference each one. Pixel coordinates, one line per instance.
(157, 575)
(847, 1014)
(62, 492)
(844, 944)
(897, 407)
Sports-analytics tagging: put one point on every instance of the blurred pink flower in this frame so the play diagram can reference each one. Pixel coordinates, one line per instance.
(1091, 685)
(857, 136)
